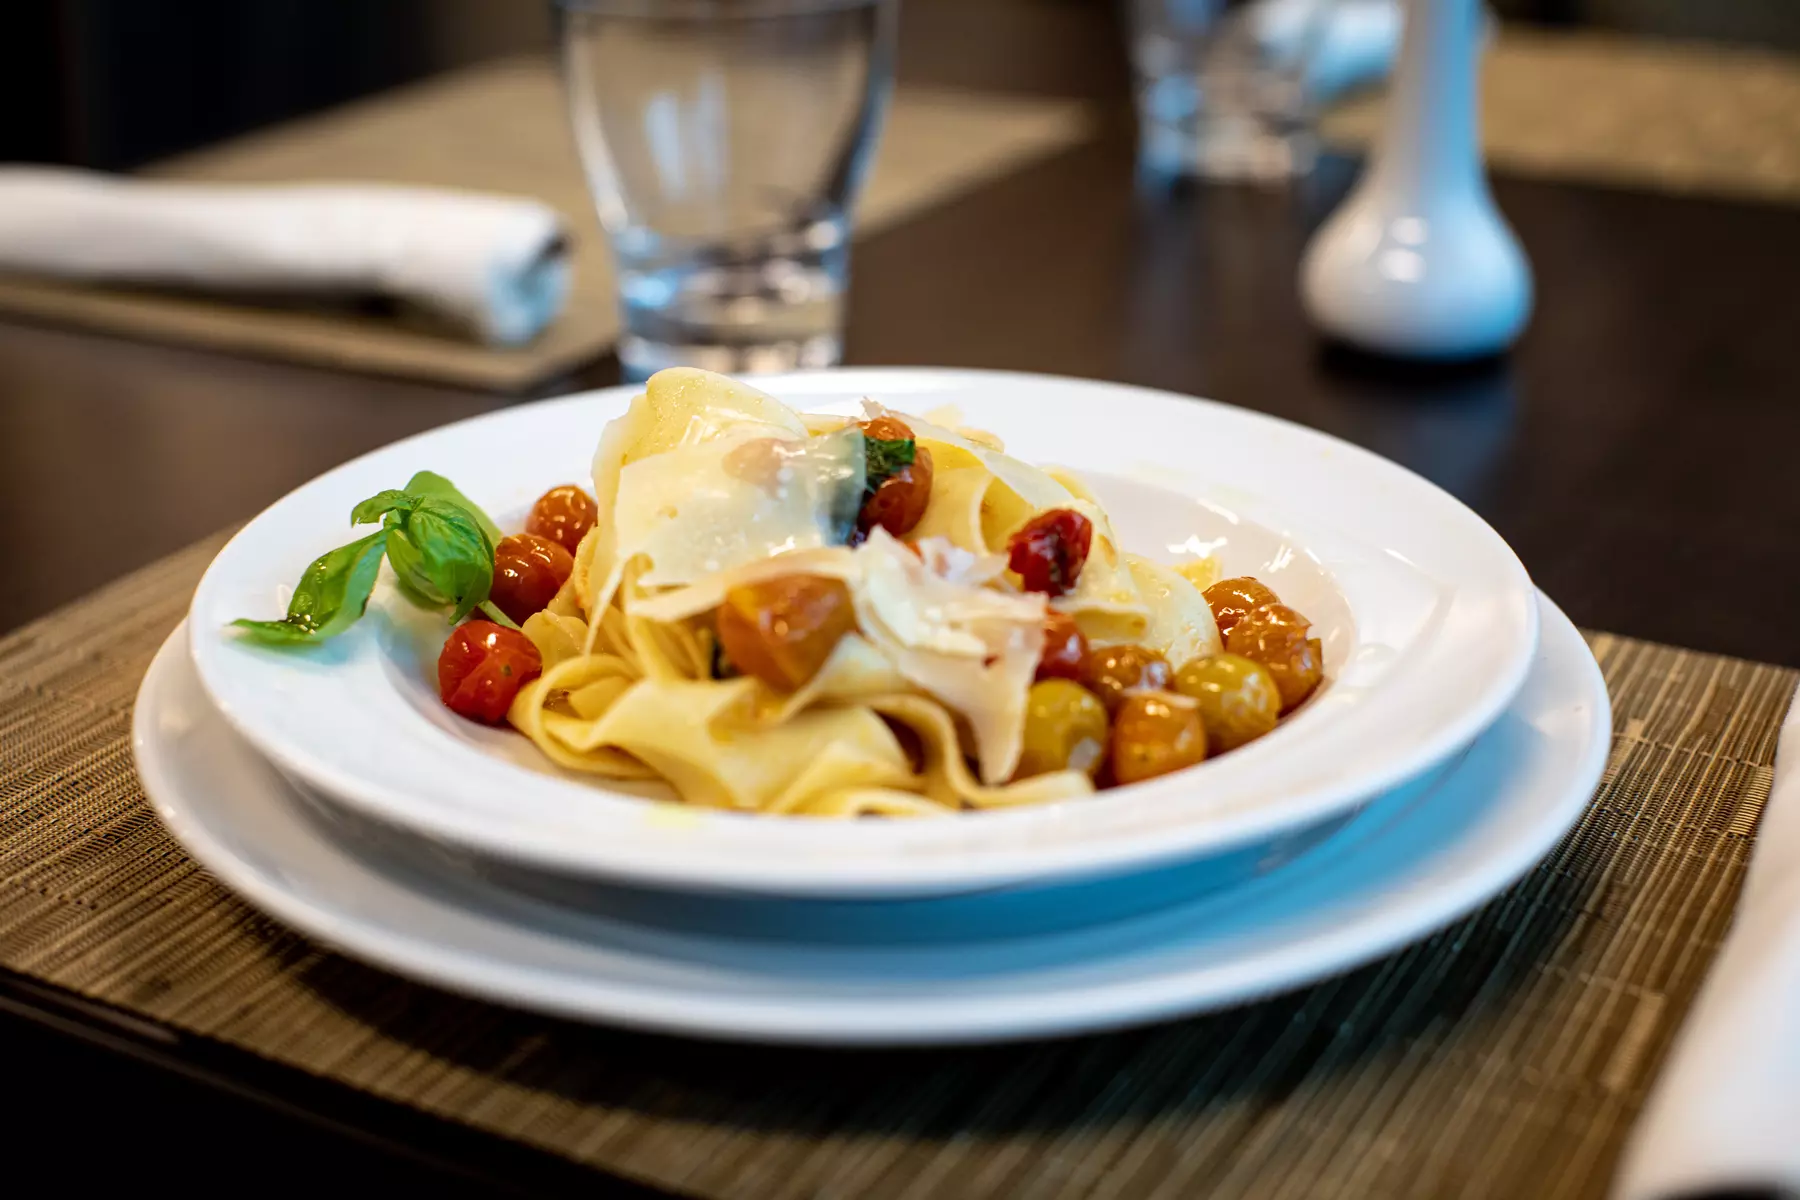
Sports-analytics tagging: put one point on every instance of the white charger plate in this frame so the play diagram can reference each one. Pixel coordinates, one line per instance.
(1412, 861)
(1427, 617)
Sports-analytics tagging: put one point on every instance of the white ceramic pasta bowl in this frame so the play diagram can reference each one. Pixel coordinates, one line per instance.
(1428, 622)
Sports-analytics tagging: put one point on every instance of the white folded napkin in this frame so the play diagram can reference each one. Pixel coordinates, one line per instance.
(1726, 1110)
(494, 265)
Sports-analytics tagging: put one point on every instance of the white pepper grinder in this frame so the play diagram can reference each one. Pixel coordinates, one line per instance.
(1418, 262)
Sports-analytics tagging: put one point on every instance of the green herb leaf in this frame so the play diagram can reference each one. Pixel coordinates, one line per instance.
(409, 569)
(433, 486)
(436, 547)
(885, 458)
(439, 543)
(332, 594)
(372, 509)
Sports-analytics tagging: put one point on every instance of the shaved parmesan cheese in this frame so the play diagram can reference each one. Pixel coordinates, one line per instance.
(972, 648)
(922, 610)
(683, 406)
(679, 407)
(944, 558)
(829, 562)
(700, 509)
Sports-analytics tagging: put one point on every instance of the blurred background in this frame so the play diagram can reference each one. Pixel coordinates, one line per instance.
(116, 83)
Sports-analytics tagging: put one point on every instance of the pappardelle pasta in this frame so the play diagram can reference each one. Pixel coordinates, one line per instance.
(787, 613)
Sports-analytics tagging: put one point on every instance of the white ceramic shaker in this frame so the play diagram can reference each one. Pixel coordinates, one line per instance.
(1418, 262)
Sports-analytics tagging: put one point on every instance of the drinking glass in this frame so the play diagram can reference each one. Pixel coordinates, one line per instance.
(724, 142)
(1222, 86)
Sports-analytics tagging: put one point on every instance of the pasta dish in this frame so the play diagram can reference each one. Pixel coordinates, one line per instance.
(828, 616)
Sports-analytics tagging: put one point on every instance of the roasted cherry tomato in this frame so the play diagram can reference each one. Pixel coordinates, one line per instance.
(782, 630)
(1064, 648)
(1114, 672)
(1048, 552)
(564, 515)
(899, 501)
(1065, 730)
(886, 429)
(482, 667)
(1275, 636)
(1155, 733)
(1230, 599)
(1238, 699)
(528, 571)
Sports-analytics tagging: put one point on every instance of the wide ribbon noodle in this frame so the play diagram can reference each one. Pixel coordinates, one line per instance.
(704, 485)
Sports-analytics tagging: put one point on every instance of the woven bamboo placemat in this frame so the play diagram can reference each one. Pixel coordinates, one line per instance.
(501, 127)
(1505, 1057)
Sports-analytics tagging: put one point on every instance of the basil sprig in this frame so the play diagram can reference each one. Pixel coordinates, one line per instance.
(431, 484)
(332, 593)
(440, 545)
(437, 549)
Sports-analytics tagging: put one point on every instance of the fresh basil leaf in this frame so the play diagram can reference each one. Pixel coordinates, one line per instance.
(437, 547)
(436, 487)
(883, 459)
(381, 503)
(409, 570)
(332, 593)
(455, 556)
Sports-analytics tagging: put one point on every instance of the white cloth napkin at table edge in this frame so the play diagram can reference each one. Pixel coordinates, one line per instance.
(495, 265)
(1725, 1111)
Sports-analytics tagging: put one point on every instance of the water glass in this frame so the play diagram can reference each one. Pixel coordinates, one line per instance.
(1222, 86)
(724, 142)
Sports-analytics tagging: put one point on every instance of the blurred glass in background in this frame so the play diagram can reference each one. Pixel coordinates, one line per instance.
(724, 142)
(1222, 86)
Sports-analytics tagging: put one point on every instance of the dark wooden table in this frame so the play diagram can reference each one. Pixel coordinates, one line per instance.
(1638, 449)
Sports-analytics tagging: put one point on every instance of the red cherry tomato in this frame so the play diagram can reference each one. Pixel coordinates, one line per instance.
(564, 515)
(482, 667)
(528, 571)
(1048, 552)
(1064, 648)
(900, 501)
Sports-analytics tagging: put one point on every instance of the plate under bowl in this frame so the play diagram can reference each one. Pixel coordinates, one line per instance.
(803, 971)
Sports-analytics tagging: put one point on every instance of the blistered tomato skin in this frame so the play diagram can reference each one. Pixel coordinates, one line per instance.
(900, 500)
(886, 429)
(1115, 672)
(1275, 636)
(1239, 701)
(1064, 648)
(1048, 551)
(528, 572)
(1153, 734)
(482, 667)
(782, 630)
(1065, 730)
(1230, 599)
(564, 515)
